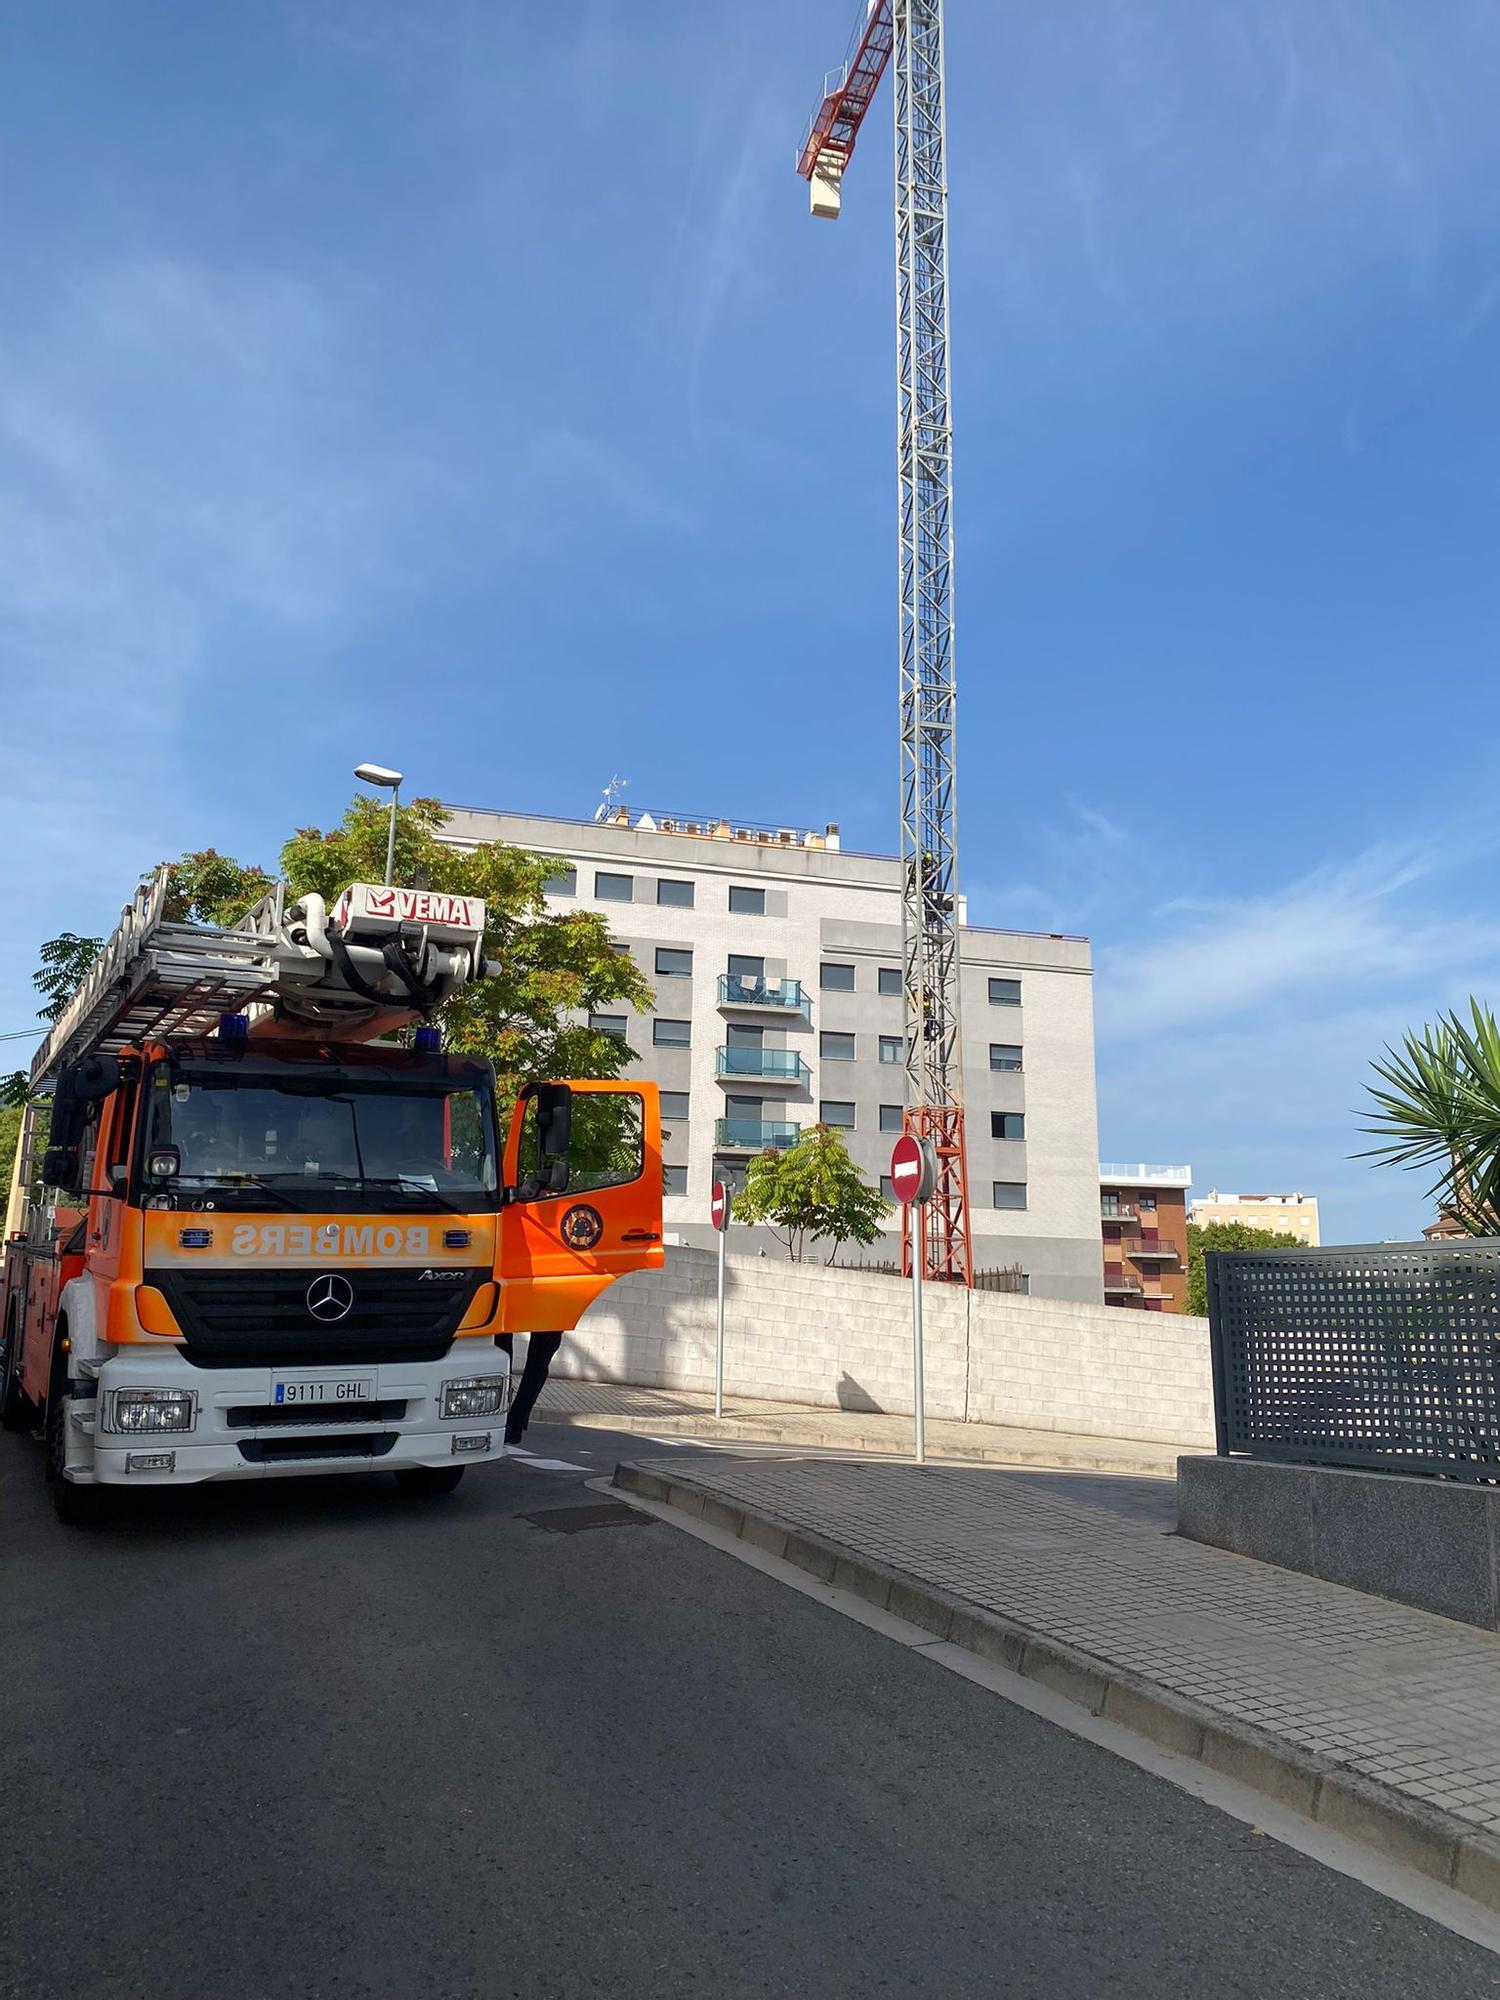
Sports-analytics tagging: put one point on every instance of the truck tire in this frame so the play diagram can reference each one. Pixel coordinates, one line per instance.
(75, 1506)
(15, 1412)
(424, 1482)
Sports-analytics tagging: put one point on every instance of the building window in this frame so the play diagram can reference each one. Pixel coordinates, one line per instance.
(672, 1034)
(1008, 1194)
(678, 894)
(892, 1049)
(674, 1180)
(674, 1104)
(608, 1024)
(1005, 1055)
(743, 966)
(888, 1189)
(1007, 1124)
(619, 948)
(731, 1173)
(836, 978)
(672, 963)
(836, 1048)
(1146, 1203)
(613, 888)
(890, 1117)
(888, 980)
(1005, 992)
(747, 902)
(833, 1111)
(563, 882)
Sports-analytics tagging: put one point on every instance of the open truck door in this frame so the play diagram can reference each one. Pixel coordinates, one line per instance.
(583, 1191)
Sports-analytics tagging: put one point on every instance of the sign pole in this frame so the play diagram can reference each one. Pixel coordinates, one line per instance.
(913, 1178)
(719, 1214)
(719, 1349)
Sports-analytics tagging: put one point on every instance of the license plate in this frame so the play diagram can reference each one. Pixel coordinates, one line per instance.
(348, 1389)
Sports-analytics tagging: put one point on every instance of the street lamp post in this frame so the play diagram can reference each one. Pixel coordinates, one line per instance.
(377, 774)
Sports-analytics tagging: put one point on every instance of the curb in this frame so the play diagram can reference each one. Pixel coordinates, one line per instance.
(1416, 1836)
(795, 1433)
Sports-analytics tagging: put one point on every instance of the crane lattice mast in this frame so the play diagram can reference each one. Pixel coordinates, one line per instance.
(908, 35)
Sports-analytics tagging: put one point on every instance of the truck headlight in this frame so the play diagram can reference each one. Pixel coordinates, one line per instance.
(139, 1410)
(473, 1396)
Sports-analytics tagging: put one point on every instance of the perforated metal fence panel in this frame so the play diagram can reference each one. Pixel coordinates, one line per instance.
(1384, 1354)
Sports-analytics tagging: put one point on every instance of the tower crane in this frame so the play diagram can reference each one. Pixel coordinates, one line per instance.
(907, 37)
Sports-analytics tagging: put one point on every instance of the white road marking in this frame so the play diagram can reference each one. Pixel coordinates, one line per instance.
(544, 1464)
(1406, 1886)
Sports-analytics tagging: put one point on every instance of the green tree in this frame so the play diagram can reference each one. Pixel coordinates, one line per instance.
(10, 1134)
(811, 1192)
(1203, 1236)
(1437, 1104)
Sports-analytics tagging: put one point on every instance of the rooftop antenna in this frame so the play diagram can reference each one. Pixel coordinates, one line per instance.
(610, 799)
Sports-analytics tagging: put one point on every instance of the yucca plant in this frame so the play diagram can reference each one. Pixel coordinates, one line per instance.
(1438, 1105)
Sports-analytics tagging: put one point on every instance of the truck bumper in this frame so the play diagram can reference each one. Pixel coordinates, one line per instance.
(239, 1432)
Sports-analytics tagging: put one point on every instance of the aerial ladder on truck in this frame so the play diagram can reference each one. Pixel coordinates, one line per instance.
(251, 1234)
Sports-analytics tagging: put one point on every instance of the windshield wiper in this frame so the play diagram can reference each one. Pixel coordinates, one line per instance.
(219, 1184)
(405, 1183)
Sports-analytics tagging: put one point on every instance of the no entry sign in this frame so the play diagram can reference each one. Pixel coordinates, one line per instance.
(913, 1170)
(718, 1205)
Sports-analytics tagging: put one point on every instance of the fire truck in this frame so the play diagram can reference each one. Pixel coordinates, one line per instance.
(253, 1234)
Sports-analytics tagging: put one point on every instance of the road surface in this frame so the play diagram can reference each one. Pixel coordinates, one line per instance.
(316, 1741)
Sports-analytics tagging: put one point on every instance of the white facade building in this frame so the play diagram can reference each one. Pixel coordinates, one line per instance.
(776, 961)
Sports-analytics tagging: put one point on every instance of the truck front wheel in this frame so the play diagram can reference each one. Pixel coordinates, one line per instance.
(421, 1482)
(75, 1506)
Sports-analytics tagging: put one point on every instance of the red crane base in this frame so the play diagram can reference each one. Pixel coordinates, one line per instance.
(947, 1251)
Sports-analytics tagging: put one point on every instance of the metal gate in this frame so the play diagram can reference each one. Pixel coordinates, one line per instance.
(1378, 1355)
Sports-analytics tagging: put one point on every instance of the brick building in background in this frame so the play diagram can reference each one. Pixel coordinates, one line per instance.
(1143, 1217)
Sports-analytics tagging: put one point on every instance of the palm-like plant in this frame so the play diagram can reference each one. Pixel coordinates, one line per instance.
(1438, 1105)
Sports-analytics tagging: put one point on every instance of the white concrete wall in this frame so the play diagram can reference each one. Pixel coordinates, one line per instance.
(801, 1333)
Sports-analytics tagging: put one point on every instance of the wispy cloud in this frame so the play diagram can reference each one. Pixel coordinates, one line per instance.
(1342, 929)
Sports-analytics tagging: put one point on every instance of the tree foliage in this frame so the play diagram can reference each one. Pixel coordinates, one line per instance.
(1437, 1105)
(552, 964)
(1203, 1236)
(810, 1193)
(10, 1135)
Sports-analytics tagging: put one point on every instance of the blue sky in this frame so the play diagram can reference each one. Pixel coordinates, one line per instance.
(464, 386)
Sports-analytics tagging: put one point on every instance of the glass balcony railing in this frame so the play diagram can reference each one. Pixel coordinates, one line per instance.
(780, 1065)
(785, 995)
(750, 1135)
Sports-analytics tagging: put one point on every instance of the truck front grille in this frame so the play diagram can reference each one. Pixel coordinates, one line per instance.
(230, 1318)
(279, 1451)
(310, 1416)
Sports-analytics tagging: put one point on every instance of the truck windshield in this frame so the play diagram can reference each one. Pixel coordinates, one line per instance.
(337, 1143)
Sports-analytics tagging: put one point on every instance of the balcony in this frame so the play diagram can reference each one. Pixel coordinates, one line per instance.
(750, 1135)
(1156, 1253)
(765, 1065)
(765, 996)
(1123, 1212)
(1126, 1288)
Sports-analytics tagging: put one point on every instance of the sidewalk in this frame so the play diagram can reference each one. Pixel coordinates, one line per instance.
(1378, 1720)
(668, 1413)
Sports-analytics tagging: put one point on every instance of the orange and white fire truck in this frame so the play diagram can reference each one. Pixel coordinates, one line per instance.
(261, 1238)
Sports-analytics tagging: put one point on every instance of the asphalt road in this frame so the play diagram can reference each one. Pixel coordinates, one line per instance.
(313, 1740)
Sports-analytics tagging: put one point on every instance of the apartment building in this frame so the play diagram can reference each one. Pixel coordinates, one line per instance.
(1292, 1214)
(1143, 1217)
(776, 960)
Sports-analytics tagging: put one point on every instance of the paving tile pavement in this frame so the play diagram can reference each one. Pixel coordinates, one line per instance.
(750, 1417)
(1391, 1693)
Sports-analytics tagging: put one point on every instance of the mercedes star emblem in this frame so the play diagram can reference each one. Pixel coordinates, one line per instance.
(330, 1297)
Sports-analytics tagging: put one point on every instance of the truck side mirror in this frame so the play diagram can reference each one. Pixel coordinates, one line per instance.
(554, 1120)
(59, 1168)
(92, 1079)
